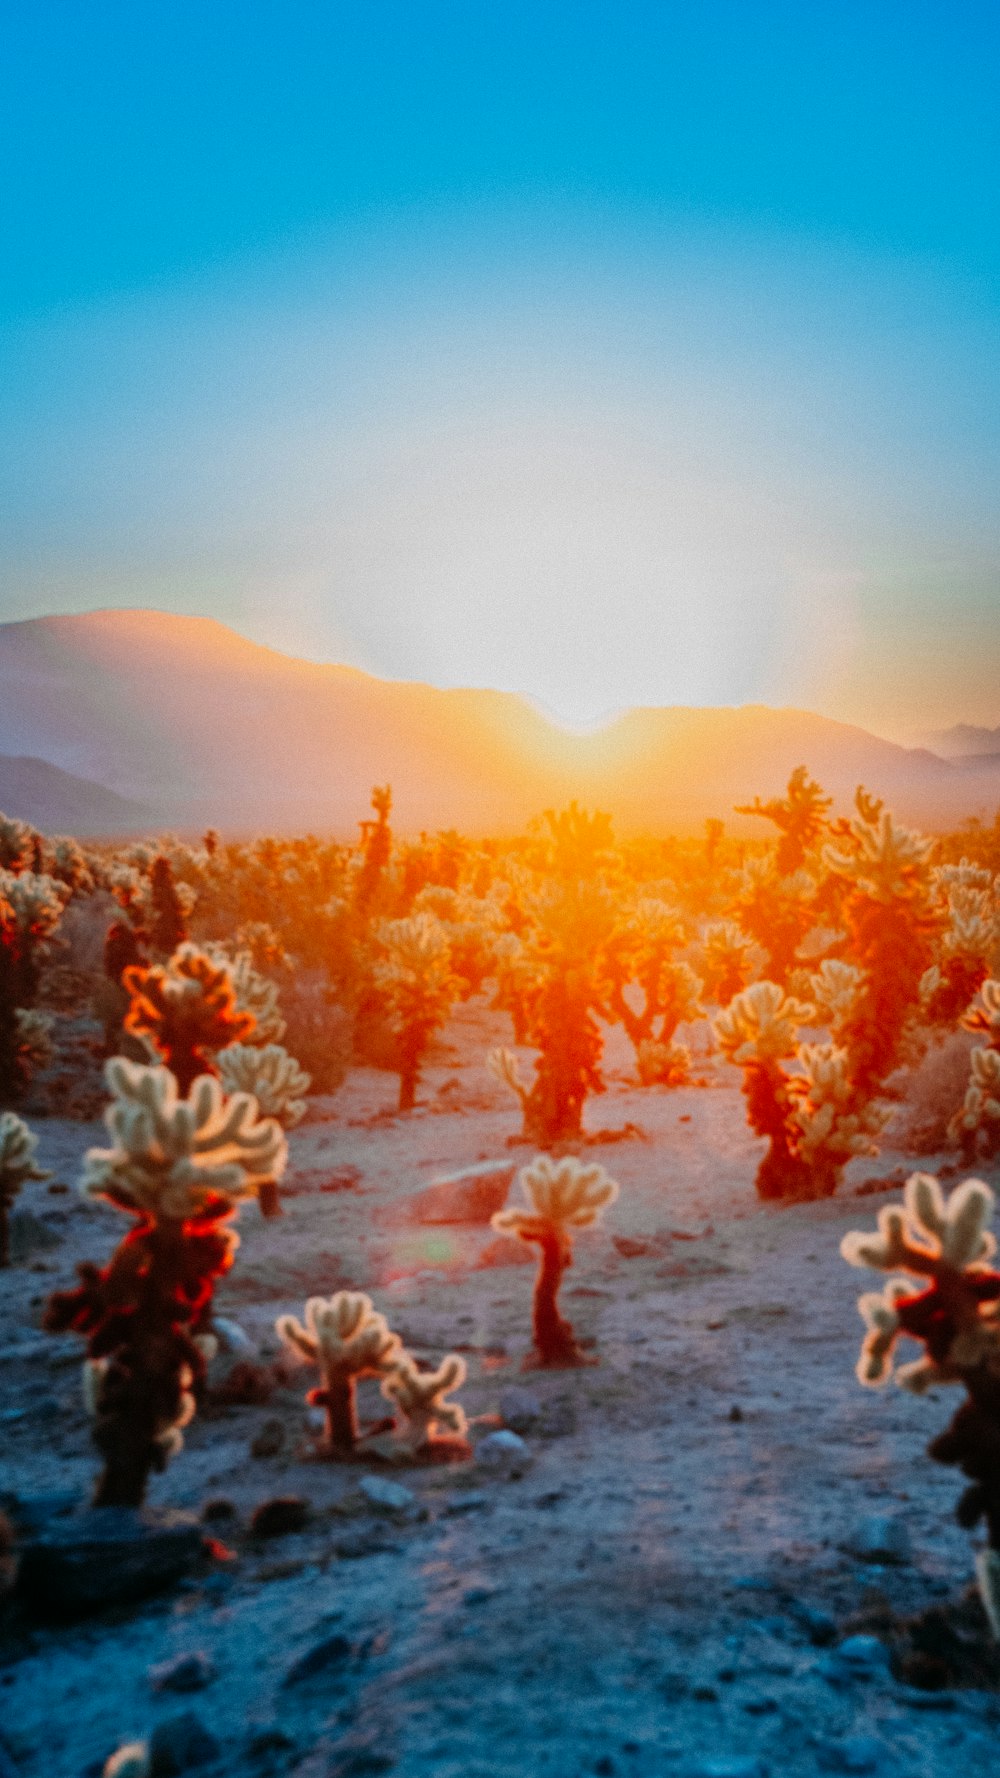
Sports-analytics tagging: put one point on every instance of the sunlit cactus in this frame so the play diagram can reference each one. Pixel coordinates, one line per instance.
(415, 982)
(761, 1024)
(800, 817)
(178, 1166)
(777, 912)
(663, 1064)
(561, 1196)
(18, 1147)
(279, 1086)
(430, 1423)
(976, 1124)
(834, 988)
(947, 1299)
(725, 962)
(834, 1124)
(893, 921)
(347, 1339)
(31, 907)
(187, 1009)
(254, 992)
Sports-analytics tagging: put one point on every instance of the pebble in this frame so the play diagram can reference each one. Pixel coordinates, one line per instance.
(386, 1496)
(882, 1539)
(520, 1409)
(185, 1673)
(503, 1453)
(109, 1555)
(269, 1441)
(856, 1658)
(319, 1660)
(179, 1745)
(278, 1517)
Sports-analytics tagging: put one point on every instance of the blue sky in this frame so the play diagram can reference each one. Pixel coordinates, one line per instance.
(615, 353)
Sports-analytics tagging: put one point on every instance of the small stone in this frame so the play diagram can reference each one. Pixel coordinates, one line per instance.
(219, 1507)
(179, 1745)
(856, 1658)
(704, 1694)
(386, 1496)
(882, 1539)
(319, 1661)
(761, 1706)
(503, 1453)
(232, 1337)
(819, 1626)
(269, 1441)
(185, 1673)
(480, 1594)
(270, 1738)
(471, 1195)
(520, 1410)
(279, 1517)
(472, 1502)
(736, 1414)
(109, 1555)
(605, 1766)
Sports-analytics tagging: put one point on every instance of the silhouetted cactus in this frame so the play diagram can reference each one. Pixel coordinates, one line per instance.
(561, 1196)
(178, 1167)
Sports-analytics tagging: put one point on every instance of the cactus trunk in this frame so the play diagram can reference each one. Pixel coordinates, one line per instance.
(554, 1342)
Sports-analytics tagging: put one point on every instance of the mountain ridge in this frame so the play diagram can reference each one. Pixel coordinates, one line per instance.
(199, 725)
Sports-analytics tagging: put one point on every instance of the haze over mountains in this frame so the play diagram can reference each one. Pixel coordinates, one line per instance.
(193, 725)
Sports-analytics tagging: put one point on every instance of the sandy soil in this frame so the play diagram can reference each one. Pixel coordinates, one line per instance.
(664, 1584)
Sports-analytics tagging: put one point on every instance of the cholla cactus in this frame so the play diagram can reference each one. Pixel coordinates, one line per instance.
(347, 1338)
(778, 912)
(17, 1163)
(562, 1196)
(187, 1009)
(172, 1157)
(834, 988)
(279, 1086)
(892, 920)
(179, 1167)
(255, 993)
(985, 1018)
(800, 817)
(420, 1398)
(34, 1039)
(976, 1124)
(947, 1246)
(726, 961)
(415, 982)
(67, 862)
(31, 906)
(663, 1064)
(834, 1125)
(761, 1024)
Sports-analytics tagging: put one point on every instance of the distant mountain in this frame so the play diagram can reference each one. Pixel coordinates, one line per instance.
(965, 741)
(200, 726)
(55, 801)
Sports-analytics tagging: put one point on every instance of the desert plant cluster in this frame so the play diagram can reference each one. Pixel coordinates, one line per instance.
(226, 980)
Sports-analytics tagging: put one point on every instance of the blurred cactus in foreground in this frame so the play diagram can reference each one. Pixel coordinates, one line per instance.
(17, 1163)
(178, 1166)
(561, 1196)
(948, 1299)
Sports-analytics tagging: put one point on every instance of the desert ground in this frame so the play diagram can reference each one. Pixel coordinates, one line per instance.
(710, 1553)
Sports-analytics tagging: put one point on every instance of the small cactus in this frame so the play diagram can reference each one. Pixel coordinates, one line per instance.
(347, 1339)
(420, 1398)
(562, 1195)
